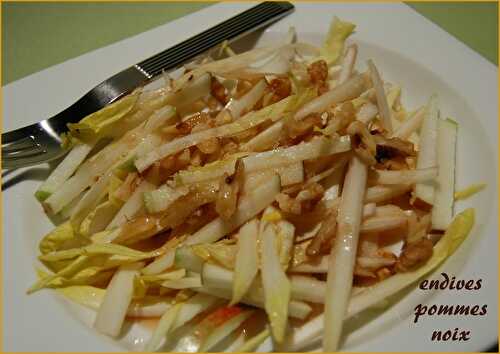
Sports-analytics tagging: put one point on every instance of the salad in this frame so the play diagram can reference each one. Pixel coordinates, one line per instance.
(265, 196)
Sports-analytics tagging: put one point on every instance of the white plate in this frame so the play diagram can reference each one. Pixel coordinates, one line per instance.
(408, 49)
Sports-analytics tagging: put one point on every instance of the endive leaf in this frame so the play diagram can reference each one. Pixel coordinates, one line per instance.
(92, 126)
(334, 43)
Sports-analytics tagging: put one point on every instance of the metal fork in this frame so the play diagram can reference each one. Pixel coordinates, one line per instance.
(41, 142)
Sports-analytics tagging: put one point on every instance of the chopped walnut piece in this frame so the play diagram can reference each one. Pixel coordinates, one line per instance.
(174, 163)
(304, 201)
(297, 128)
(288, 204)
(343, 116)
(363, 142)
(313, 191)
(200, 119)
(197, 158)
(218, 91)
(322, 240)
(363, 272)
(414, 254)
(394, 164)
(392, 147)
(318, 72)
(281, 88)
(318, 75)
(322, 88)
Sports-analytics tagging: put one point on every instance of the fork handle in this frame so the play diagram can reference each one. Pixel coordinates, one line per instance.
(230, 30)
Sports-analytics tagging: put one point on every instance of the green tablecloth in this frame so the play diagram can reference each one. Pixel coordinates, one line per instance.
(59, 31)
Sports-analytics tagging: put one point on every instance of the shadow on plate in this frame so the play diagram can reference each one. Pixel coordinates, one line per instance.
(10, 178)
(365, 317)
(247, 42)
(373, 312)
(493, 349)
